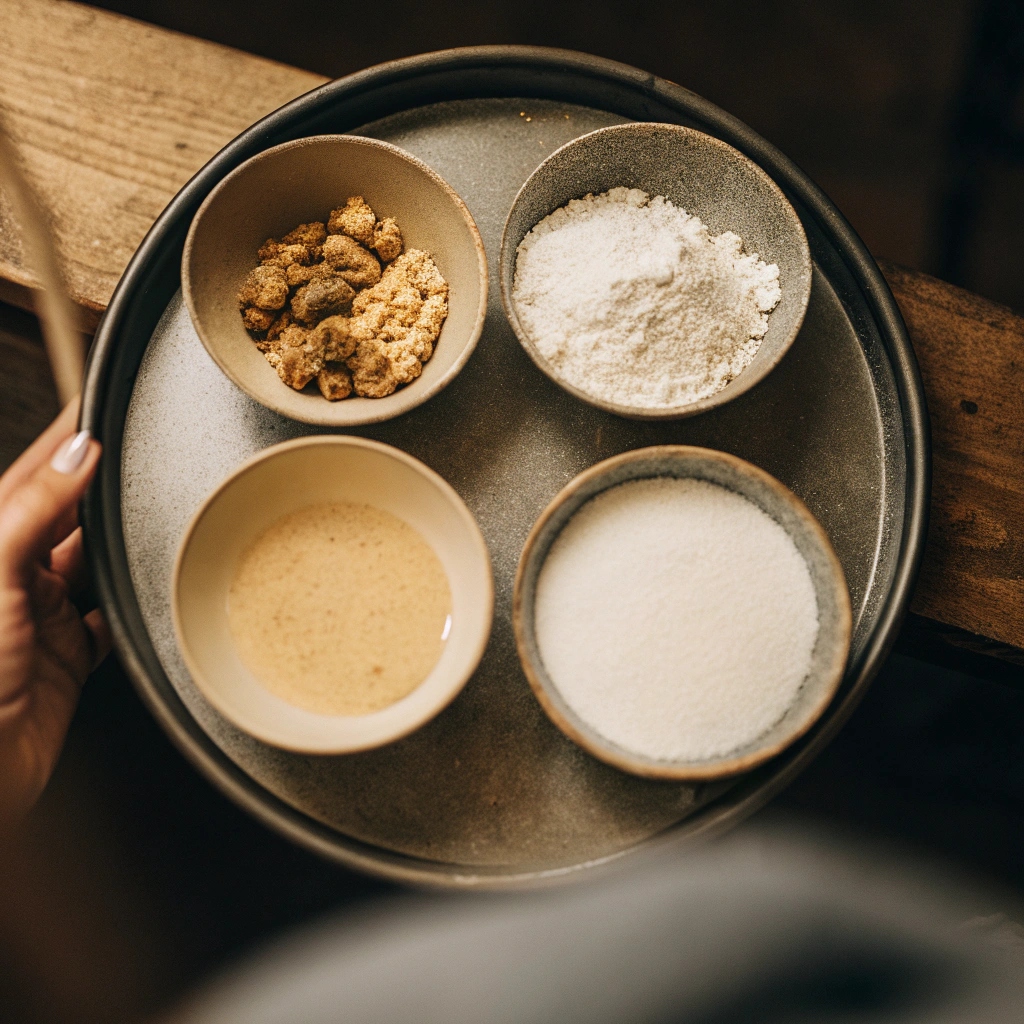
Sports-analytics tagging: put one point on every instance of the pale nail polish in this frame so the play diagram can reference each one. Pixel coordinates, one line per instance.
(69, 455)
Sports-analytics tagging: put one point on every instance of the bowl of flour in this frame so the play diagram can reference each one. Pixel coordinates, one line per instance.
(680, 614)
(654, 271)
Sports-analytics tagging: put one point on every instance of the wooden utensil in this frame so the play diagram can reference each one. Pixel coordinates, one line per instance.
(64, 344)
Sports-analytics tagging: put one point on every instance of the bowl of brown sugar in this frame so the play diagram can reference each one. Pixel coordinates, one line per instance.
(336, 279)
(333, 594)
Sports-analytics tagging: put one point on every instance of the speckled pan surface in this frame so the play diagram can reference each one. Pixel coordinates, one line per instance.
(490, 793)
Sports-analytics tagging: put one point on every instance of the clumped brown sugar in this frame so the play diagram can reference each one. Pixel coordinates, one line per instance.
(343, 303)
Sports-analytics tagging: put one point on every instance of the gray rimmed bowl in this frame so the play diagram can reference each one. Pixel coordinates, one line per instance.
(301, 181)
(705, 177)
(828, 659)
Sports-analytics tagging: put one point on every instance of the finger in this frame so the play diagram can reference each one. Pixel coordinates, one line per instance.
(40, 451)
(30, 516)
(67, 560)
(66, 525)
(99, 632)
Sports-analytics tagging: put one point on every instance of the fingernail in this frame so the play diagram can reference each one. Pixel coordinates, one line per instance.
(70, 454)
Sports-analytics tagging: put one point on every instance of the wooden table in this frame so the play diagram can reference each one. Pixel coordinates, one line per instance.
(113, 117)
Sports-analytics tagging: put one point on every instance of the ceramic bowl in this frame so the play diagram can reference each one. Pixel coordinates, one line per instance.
(302, 181)
(283, 479)
(828, 659)
(705, 177)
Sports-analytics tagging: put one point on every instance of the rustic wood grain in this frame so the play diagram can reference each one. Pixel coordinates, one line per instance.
(971, 354)
(112, 117)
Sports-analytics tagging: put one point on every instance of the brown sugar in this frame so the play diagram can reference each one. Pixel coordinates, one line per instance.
(348, 259)
(400, 318)
(354, 219)
(334, 381)
(387, 239)
(343, 303)
(264, 288)
(295, 358)
(340, 609)
(326, 294)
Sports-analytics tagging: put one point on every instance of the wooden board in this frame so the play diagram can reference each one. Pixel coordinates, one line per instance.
(971, 354)
(113, 116)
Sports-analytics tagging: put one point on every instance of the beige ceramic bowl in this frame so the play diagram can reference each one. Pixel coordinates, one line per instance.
(828, 659)
(283, 479)
(705, 177)
(303, 181)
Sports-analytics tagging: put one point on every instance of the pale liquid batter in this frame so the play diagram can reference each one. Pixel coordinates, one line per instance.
(341, 609)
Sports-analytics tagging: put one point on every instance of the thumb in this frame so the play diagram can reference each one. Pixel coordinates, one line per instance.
(35, 510)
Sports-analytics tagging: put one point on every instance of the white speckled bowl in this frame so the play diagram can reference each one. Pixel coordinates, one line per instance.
(828, 659)
(301, 181)
(705, 177)
(283, 479)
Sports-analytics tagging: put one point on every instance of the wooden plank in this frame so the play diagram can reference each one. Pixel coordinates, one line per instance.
(971, 354)
(113, 116)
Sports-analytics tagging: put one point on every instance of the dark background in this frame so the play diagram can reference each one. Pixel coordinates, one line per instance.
(909, 113)
(136, 879)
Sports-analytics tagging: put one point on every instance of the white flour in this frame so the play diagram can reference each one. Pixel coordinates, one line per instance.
(676, 618)
(631, 299)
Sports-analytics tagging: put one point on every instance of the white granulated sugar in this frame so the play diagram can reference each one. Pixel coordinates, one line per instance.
(676, 618)
(633, 301)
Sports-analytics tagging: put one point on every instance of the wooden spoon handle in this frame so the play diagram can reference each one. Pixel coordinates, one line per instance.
(57, 314)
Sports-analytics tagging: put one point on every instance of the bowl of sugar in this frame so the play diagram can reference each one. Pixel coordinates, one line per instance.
(336, 279)
(680, 614)
(332, 595)
(654, 271)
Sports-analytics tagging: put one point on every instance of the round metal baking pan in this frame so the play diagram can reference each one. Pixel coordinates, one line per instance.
(490, 794)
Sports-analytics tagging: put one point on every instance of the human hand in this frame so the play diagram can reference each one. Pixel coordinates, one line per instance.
(46, 647)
